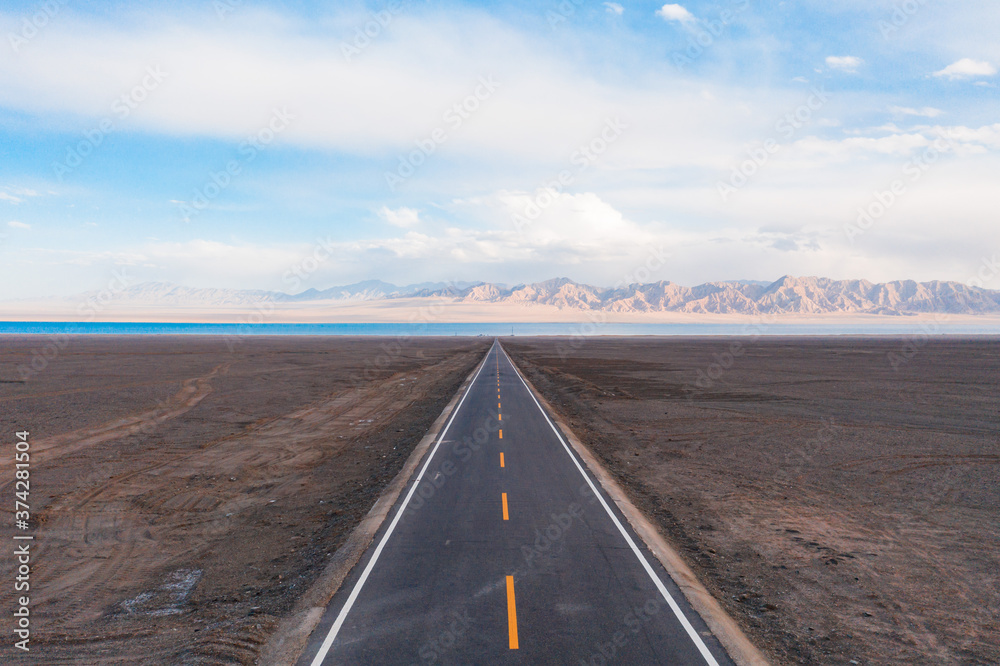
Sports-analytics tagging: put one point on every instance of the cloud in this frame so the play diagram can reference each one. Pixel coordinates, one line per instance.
(785, 241)
(566, 230)
(400, 217)
(959, 140)
(977, 139)
(573, 230)
(849, 64)
(895, 144)
(550, 103)
(14, 224)
(614, 8)
(675, 13)
(587, 237)
(582, 222)
(545, 106)
(926, 112)
(967, 68)
(16, 195)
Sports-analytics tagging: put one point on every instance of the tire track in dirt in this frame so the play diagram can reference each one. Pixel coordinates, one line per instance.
(102, 513)
(192, 392)
(920, 461)
(112, 538)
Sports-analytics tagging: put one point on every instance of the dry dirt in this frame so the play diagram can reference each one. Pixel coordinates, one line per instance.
(187, 494)
(840, 496)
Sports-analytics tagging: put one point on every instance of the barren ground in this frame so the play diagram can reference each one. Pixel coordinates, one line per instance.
(843, 510)
(186, 494)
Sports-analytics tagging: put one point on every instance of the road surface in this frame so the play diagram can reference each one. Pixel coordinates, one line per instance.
(503, 550)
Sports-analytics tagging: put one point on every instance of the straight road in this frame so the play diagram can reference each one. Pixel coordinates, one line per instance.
(503, 550)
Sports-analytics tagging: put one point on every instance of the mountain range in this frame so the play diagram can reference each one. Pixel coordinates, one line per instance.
(788, 295)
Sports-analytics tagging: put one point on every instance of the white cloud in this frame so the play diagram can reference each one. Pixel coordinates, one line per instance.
(14, 224)
(849, 64)
(222, 257)
(546, 105)
(895, 144)
(400, 217)
(967, 68)
(959, 139)
(573, 231)
(575, 234)
(987, 136)
(926, 112)
(675, 13)
(583, 222)
(614, 8)
(586, 237)
(16, 195)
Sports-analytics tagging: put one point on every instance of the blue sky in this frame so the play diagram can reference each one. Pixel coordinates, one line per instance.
(222, 143)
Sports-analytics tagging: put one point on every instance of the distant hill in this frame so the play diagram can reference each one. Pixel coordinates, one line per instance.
(789, 295)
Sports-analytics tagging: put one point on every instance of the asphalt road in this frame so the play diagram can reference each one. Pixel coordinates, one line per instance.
(501, 551)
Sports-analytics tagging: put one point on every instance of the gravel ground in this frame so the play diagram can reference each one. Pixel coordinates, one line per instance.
(186, 494)
(840, 496)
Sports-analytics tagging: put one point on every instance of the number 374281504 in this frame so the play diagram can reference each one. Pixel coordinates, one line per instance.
(22, 480)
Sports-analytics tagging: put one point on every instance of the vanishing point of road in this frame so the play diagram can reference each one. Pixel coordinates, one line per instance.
(504, 550)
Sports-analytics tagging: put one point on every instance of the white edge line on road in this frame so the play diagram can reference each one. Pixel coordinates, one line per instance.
(700, 644)
(339, 622)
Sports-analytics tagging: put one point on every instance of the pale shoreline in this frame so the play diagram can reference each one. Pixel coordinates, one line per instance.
(430, 311)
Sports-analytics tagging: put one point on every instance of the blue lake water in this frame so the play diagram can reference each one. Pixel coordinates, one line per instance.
(894, 327)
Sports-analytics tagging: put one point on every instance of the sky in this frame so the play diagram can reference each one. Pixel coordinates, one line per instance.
(294, 145)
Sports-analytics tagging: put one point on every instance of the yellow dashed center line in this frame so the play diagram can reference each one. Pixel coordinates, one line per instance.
(511, 605)
(511, 613)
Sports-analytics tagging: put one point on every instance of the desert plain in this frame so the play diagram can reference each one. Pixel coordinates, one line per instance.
(188, 490)
(838, 495)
